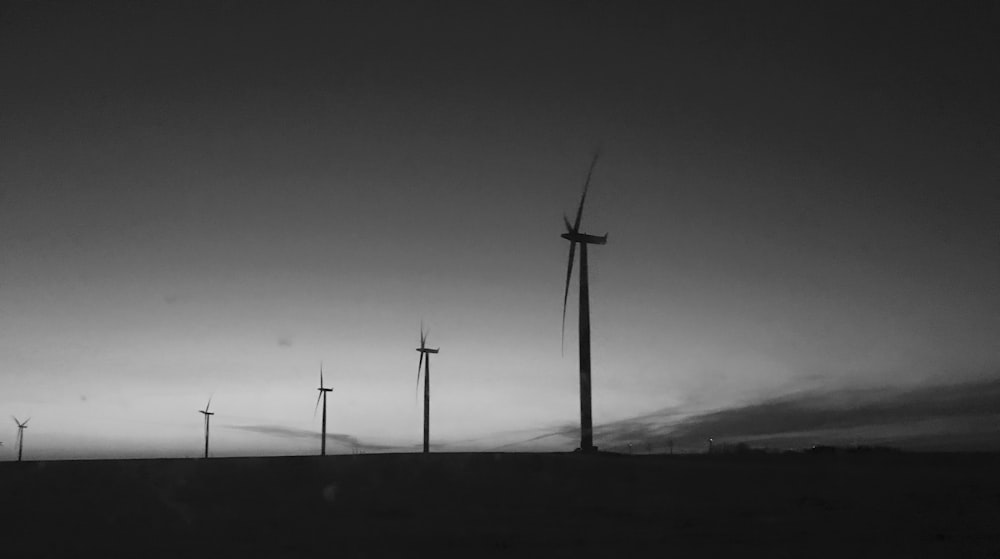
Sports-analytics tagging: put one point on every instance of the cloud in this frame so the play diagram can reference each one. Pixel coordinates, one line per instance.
(639, 427)
(292, 432)
(961, 416)
(942, 417)
(564, 431)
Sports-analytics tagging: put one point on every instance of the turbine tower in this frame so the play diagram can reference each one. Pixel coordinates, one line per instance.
(208, 417)
(322, 395)
(574, 236)
(425, 352)
(20, 435)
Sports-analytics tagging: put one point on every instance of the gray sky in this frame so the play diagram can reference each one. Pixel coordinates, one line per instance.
(211, 199)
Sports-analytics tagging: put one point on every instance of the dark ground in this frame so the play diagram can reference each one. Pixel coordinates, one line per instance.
(474, 505)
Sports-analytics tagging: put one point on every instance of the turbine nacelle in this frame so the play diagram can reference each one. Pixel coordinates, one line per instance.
(427, 350)
(208, 406)
(322, 387)
(575, 237)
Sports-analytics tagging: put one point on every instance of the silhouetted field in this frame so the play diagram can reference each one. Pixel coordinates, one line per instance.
(474, 505)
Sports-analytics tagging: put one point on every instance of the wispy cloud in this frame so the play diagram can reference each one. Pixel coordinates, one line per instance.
(639, 427)
(292, 432)
(561, 432)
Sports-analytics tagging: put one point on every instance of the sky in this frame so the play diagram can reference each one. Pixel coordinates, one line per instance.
(212, 199)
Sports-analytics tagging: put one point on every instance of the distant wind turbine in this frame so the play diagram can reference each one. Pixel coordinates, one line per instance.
(20, 435)
(208, 417)
(425, 351)
(322, 395)
(574, 236)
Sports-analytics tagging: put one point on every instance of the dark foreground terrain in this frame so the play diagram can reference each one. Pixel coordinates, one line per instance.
(515, 505)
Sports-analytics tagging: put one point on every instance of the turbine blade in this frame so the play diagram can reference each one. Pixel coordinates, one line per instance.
(26, 422)
(208, 405)
(315, 409)
(321, 375)
(569, 226)
(420, 365)
(569, 275)
(586, 186)
(16, 420)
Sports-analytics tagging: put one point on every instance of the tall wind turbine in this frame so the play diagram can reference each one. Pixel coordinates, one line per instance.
(208, 417)
(322, 395)
(425, 352)
(20, 435)
(575, 237)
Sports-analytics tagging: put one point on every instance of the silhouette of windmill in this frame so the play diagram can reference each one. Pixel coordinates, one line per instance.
(20, 435)
(575, 237)
(208, 417)
(425, 352)
(322, 395)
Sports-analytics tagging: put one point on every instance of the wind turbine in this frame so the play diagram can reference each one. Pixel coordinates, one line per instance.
(425, 351)
(208, 417)
(20, 435)
(322, 395)
(575, 237)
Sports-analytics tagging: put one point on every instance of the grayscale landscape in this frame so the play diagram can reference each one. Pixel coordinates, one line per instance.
(698, 278)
